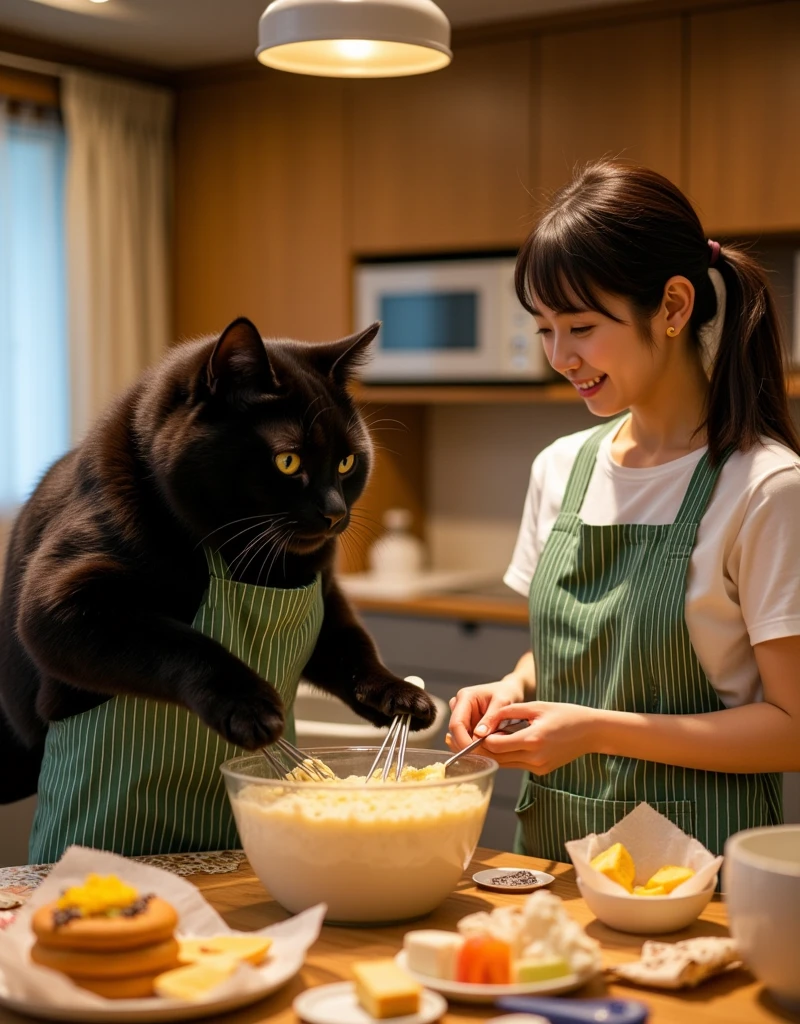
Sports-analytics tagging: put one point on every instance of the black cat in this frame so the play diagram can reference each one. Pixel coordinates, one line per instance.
(105, 567)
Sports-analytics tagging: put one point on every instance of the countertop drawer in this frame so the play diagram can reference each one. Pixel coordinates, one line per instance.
(448, 648)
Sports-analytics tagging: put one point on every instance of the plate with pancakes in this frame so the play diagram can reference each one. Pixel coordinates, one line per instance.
(132, 945)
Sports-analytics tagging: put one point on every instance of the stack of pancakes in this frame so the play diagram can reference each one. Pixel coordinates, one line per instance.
(114, 956)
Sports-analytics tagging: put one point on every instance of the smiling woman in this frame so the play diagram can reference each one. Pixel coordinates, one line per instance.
(659, 550)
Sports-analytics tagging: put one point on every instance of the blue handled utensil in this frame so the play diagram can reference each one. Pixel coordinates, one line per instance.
(578, 1011)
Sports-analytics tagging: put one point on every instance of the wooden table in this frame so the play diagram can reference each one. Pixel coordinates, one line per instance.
(244, 903)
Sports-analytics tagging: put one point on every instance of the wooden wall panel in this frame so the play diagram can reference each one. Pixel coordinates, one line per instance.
(613, 90)
(442, 161)
(259, 206)
(398, 478)
(744, 118)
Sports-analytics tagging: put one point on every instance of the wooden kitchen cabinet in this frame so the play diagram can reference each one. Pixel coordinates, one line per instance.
(442, 161)
(612, 90)
(259, 212)
(744, 118)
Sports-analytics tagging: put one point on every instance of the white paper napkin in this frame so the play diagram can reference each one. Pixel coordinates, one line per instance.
(26, 981)
(653, 841)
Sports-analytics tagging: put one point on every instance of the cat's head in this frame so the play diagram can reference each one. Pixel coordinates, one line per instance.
(259, 443)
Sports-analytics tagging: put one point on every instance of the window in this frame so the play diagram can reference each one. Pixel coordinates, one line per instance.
(34, 375)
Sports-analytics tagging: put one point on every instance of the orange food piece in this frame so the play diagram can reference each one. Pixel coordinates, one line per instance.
(484, 961)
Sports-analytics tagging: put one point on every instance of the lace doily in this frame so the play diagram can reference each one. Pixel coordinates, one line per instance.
(17, 883)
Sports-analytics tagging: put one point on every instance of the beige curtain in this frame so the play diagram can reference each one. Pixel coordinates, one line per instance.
(119, 138)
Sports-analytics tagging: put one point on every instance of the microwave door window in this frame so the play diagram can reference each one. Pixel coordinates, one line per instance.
(430, 322)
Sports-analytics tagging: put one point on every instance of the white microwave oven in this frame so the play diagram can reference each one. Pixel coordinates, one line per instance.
(447, 321)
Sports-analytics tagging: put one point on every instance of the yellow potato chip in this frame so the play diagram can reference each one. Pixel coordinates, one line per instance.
(617, 864)
(649, 890)
(669, 877)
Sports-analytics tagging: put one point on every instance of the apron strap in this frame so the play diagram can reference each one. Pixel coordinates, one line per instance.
(217, 565)
(583, 466)
(701, 486)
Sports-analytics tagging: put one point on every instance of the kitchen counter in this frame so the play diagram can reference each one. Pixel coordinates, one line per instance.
(736, 998)
(492, 603)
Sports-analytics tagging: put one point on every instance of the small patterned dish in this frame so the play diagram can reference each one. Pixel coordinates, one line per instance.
(512, 879)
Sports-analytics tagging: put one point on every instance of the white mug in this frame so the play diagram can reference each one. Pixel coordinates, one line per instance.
(761, 881)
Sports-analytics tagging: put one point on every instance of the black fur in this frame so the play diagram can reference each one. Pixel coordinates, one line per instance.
(105, 568)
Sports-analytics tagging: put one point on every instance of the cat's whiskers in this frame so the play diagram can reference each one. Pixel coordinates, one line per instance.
(233, 522)
(279, 542)
(252, 526)
(326, 408)
(354, 542)
(382, 448)
(314, 402)
(256, 542)
(256, 546)
(363, 523)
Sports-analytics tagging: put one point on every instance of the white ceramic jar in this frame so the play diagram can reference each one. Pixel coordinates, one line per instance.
(761, 881)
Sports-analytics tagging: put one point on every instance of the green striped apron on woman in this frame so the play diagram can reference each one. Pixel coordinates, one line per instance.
(138, 776)
(608, 630)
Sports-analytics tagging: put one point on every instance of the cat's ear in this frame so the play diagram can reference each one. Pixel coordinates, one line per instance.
(240, 362)
(340, 360)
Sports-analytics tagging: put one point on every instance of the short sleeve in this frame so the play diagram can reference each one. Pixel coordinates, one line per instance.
(764, 561)
(526, 554)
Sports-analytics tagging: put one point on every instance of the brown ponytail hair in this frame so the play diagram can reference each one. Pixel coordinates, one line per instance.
(626, 230)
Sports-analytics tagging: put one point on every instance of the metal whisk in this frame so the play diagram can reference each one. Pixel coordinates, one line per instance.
(284, 757)
(397, 740)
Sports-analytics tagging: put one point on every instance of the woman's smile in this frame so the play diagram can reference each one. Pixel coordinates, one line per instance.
(588, 387)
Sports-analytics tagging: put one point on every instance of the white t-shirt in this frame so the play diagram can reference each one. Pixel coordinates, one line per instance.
(743, 584)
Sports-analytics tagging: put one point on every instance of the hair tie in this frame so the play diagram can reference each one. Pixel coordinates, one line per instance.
(714, 252)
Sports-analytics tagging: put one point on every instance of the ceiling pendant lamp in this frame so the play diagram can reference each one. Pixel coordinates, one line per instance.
(354, 38)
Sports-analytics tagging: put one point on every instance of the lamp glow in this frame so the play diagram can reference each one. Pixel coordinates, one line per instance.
(354, 38)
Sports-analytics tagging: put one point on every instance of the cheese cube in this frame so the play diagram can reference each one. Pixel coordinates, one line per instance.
(433, 952)
(540, 969)
(385, 990)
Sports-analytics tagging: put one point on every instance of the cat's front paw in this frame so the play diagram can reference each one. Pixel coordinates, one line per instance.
(251, 721)
(393, 696)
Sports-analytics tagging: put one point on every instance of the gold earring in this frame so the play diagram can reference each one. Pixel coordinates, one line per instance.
(671, 332)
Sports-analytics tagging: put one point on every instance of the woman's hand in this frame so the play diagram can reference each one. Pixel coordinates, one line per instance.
(472, 704)
(556, 734)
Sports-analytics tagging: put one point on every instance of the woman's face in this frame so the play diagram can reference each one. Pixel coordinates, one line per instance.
(610, 364)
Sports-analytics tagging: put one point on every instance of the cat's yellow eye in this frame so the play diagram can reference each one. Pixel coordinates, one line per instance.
(347, 464)
(288, 463)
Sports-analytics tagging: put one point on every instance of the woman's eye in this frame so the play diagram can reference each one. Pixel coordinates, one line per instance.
(347, 464)
(581, 330)
(544, 331)
(288, 463)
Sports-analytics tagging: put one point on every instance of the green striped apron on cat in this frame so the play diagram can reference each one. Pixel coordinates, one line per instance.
(138, 776)
(608, 630)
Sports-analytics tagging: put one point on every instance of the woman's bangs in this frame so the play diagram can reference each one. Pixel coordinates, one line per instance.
(558, 277)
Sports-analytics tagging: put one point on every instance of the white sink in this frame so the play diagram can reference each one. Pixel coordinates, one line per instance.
(324, 721)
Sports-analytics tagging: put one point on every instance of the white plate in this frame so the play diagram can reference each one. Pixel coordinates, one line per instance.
(462, 992)
(337, 1004)
(484, 879)
(153, 1010)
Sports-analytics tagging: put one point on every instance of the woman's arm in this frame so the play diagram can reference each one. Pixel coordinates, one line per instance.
(760, 737)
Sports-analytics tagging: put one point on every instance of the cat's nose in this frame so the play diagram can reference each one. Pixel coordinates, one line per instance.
(333, 516)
